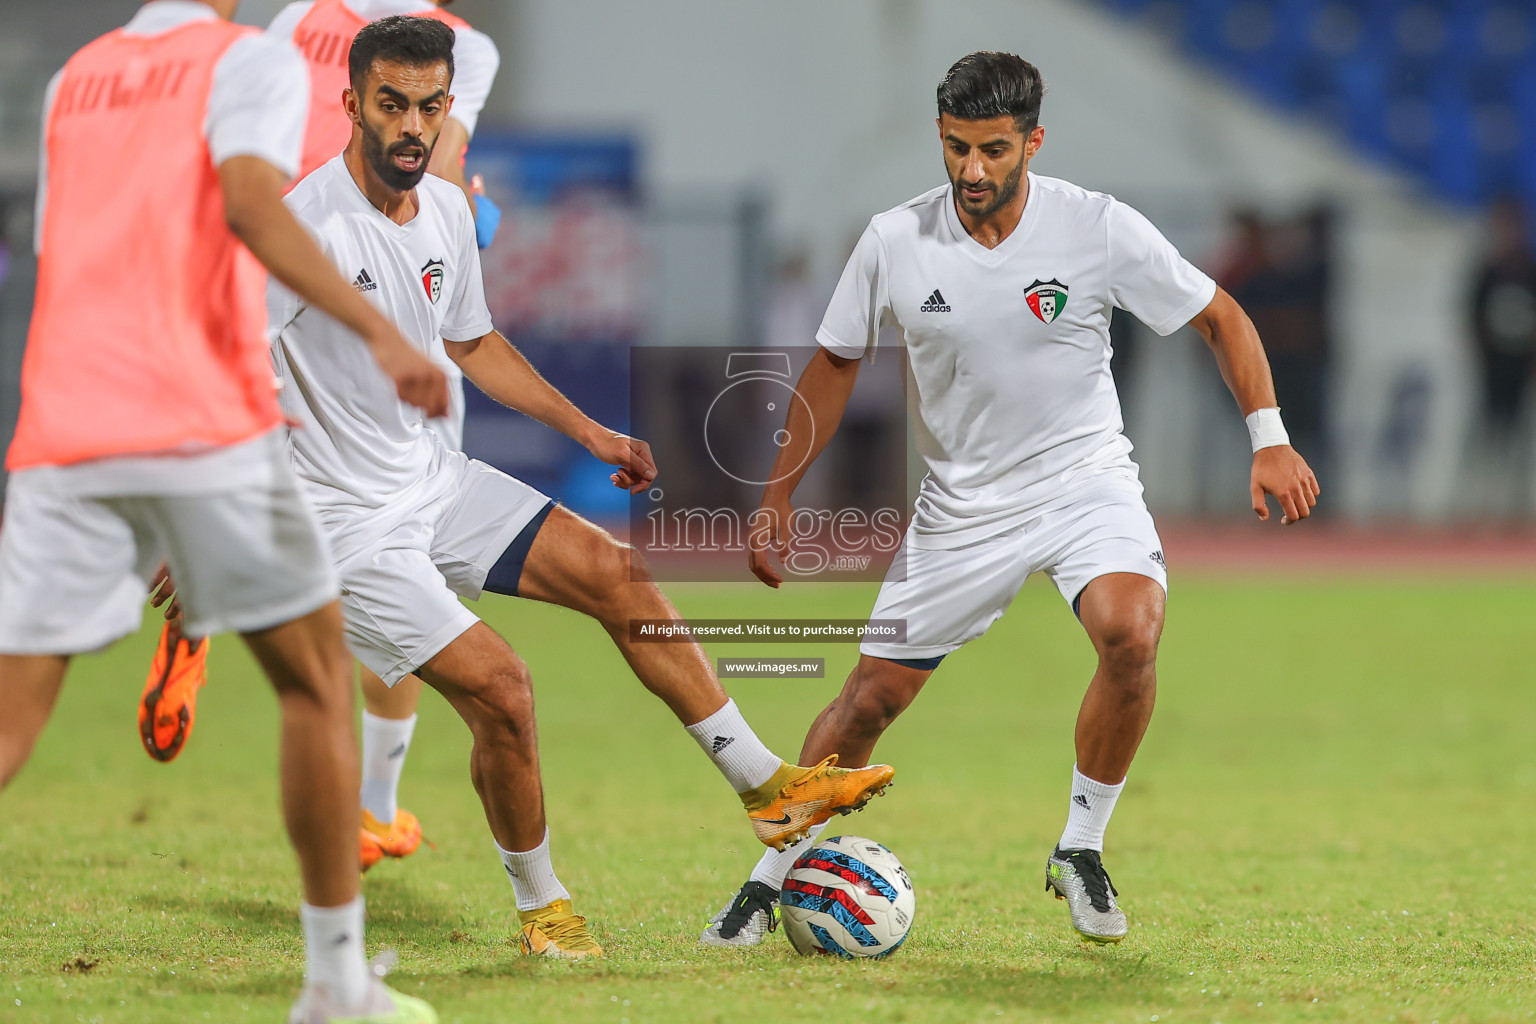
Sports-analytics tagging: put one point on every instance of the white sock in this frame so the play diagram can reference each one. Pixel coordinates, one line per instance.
(774, 865)
(729, 741)
(333, 951)
(1088, 813)
(385, 744)
(533, 876)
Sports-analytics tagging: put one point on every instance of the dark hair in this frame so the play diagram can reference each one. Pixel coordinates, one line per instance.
(400, 39)
(988, 84)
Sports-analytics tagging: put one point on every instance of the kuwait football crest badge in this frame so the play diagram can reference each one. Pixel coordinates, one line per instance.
(432, 279)
(1046, 299)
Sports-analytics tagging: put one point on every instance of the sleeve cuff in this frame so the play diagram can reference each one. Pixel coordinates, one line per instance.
(468, 333)
(1187, 312)
(839, 348)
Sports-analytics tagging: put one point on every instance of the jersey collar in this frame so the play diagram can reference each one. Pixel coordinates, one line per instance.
(1010, 244)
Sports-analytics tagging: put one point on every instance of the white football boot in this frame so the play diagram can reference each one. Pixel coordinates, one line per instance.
(746, 920)
(1078, 876)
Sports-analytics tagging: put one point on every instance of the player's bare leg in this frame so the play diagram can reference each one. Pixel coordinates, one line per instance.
(311, 670)
(875, 693)
(389, 722)
(29, 687)
(489, 686)
(1123, 616)
(578, 565)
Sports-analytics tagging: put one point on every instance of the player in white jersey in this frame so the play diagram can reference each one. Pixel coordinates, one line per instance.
(414, 526)
(322, 30)
(389, 713)
(1002, 283)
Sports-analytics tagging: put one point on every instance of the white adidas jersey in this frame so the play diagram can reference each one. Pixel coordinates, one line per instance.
(359, 449)
(1009, 347)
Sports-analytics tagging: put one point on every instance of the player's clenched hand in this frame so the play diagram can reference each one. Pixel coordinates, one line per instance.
(633, 457)
(1283, 473)
(417, 380)
(768, 532)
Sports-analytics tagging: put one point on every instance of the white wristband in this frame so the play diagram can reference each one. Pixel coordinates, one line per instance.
(1265, 429)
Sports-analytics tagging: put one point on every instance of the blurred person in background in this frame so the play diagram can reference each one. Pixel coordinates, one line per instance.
(1503, 314)
(150, 432)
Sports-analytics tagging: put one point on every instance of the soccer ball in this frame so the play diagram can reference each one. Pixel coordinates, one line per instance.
(847, 897)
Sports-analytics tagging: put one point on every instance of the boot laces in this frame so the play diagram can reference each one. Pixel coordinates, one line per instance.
(1095, 878)
(826, 767)
(754, 897)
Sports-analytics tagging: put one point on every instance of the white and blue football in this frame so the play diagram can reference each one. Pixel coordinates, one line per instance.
(847, 897)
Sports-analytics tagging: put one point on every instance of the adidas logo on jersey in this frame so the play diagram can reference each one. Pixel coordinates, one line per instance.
(934, 304)
(363, 282)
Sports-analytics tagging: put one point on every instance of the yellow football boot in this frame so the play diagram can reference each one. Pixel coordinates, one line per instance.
(377, 840)
(796, 798)
(557, 931)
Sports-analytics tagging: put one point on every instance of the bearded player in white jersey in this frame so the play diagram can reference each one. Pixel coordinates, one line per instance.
(322, 30)
(1001, 284)
(413, 525)
(389, 713)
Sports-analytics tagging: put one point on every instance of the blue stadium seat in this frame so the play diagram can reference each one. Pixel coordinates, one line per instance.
(1445, 89)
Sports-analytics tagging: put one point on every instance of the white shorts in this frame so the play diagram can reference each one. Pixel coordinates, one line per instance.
(74, 569)
(400, 597)
(950, 597)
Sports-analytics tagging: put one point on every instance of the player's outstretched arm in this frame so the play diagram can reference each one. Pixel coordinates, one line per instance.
(501, 371)
(254, 210)
(1277, 468)
(825, 384)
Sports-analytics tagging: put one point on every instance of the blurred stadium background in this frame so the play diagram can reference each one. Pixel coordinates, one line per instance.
(694, 172)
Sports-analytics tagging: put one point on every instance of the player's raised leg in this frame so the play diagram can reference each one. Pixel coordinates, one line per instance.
(489, 686)
(1123, 615)
(578, 565)
(389, 723)
(874, 694)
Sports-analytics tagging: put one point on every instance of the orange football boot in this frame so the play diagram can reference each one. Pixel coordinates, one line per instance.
(377, 840)
(795, 798)
(169, 705)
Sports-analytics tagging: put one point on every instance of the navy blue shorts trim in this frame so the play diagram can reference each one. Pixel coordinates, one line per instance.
(921, 664)
(508, 570)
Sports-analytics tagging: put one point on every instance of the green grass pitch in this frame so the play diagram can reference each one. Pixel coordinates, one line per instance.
(1333, 819)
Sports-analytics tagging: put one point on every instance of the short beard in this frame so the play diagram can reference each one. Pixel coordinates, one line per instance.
(1005, 193)
(378, 158)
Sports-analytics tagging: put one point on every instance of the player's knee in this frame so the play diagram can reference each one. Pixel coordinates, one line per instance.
(322, 681)
(1130, 647)
(504, 703)
(616, 568)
